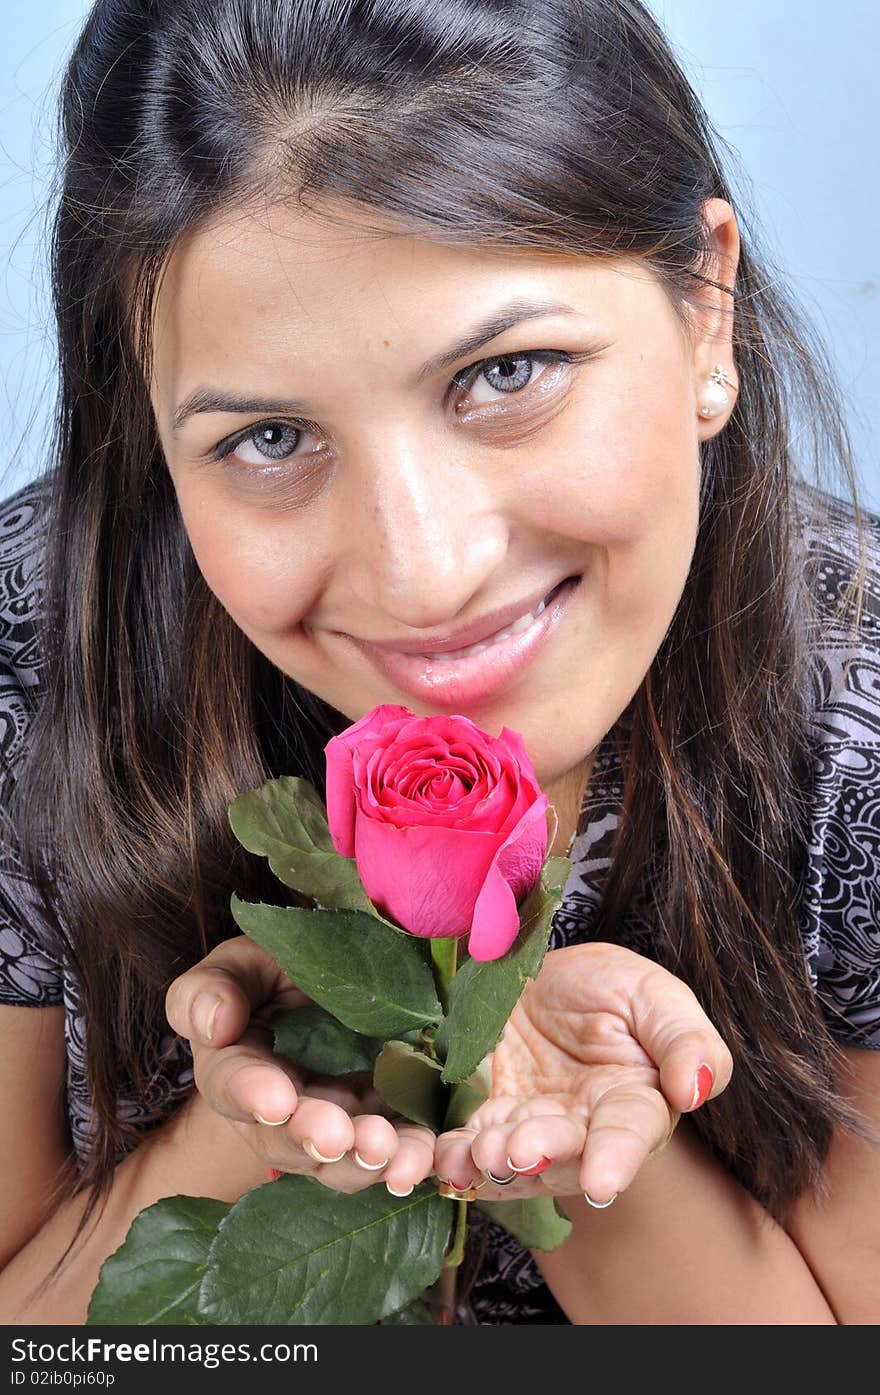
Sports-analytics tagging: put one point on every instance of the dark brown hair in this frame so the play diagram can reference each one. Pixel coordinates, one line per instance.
(558, 125)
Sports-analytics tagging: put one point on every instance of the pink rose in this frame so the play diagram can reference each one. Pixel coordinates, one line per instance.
(447, 824)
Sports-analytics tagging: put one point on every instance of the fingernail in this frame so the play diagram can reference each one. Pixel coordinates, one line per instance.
(703, 1082)
(273, 1173)
(501, 1181)
(394, 1193)
(533, 1169)
(319, 1157)
(204, 1011)
(462, 1186)
(673, 1125)
(273, 1123)
(370, 1167)
(600, 1205)
(448, 1190)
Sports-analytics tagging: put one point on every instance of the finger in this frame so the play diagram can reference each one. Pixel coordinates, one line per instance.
(321, 1129)
(411, 1163)
(453, 1160)
(213, 1001)
(489, 1150)
(532, 1147)
(247, 1081)
(693, 1061)
(626, 1125)
(413, 1160)
(375, 1142)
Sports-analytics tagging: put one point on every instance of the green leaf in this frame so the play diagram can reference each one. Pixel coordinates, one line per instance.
(467, 1096)
(483, 995)
(409, 1081)
(374, 979)
(295, 1252)
(537, 1223)
(153, 1278)
(556, 872)
(416, 1314)
(314, 1039)
(285, 821)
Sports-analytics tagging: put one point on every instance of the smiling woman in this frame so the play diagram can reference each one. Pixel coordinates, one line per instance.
(425, 508)
(418, 354)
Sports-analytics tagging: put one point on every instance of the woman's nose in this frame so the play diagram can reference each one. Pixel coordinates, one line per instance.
(424, 534)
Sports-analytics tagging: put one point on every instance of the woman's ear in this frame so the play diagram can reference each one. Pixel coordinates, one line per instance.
(712, 314)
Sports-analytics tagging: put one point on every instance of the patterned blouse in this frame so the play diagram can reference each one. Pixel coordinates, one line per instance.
(840, 910)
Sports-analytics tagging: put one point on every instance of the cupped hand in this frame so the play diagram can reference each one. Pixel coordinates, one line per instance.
(602, 1053)
(334, 1128)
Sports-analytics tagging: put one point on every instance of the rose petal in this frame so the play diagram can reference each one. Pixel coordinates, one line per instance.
(496, 919)
(515, 869)
(341, 798)
(425, 878)
(341, 780)
(516, 746)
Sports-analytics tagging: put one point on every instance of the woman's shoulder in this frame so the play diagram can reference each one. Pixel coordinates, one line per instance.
(30, 971)
(836, 539)
(840, 905)
(842, 552)
(23, 529)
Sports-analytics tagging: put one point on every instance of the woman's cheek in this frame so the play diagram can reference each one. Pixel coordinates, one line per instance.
(625, 464)
(638, 494)
(257, 582)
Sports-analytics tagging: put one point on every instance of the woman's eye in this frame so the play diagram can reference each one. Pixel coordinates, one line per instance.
(270, 443)
(505, 376)
(273, 443)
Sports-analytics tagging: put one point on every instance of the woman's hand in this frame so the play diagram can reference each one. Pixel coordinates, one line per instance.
(601, 1054)
(335, 1128)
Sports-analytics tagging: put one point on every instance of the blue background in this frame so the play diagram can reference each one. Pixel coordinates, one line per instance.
(788, 86)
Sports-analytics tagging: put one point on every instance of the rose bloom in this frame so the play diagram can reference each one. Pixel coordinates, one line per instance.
(447, 826)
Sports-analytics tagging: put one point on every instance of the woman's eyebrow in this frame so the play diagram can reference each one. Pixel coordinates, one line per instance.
(211, 399)
(505, 317)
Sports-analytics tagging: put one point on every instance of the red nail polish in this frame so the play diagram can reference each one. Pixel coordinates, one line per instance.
(273, 1173)
(540, 1166)
(703, 1082)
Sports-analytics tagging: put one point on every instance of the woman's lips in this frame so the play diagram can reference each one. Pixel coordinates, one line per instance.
(462, 682)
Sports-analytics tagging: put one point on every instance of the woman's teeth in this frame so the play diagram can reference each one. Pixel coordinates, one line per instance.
(516, 628)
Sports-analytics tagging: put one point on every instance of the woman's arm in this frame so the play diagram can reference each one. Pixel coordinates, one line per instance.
(196, 1153)
(34, 1139)
(840, 1236)
(684, 1245)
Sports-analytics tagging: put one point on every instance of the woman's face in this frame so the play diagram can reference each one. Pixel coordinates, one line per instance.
(368, 493)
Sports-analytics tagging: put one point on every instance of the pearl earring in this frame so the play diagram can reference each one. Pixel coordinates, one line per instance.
(713, 399)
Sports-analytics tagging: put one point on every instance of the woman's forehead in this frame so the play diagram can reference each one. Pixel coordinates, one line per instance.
(313, 254)
(281, 274)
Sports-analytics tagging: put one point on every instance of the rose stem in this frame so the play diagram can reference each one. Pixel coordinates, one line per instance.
(444, 951)
(443, 1290)
(456, 1254)
(447, 1280)
(443, 1297)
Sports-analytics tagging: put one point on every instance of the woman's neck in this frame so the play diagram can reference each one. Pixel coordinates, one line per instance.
(567, 794)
